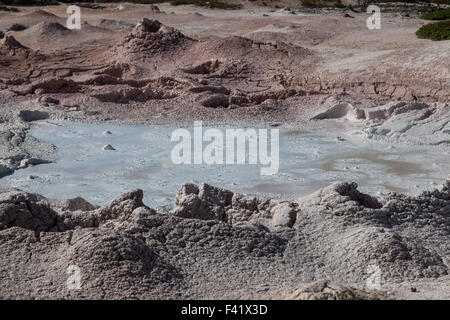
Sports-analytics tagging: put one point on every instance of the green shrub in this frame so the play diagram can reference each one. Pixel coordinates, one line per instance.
(339, 4)
(435, 31)
(437, 15)
(1, 35)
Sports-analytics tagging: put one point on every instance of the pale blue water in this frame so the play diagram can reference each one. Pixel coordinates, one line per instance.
(142, 159)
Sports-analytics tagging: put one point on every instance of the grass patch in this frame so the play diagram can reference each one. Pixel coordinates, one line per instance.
(435, 31)
(437, 15)
(17, 27)
(208, 4)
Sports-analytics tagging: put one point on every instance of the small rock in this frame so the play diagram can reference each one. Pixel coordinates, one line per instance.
(49, 100)
(24, 163)
(107, 132)
(4, 170)
(108, 147)
(284, 215)
(33, 115)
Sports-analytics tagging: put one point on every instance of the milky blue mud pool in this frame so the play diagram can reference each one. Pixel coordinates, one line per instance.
(308, 160)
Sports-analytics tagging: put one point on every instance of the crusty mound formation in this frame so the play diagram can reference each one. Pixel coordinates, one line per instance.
(43, 14)
(47, 30)
(210, 203)
(9, 46)
(149, 38)
(214, 241)
(324, 290)
(417, 122)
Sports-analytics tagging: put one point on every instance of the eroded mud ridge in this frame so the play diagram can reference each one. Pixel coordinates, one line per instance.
(156, 62)
(157, 66)
(216, 239)
(18, 149)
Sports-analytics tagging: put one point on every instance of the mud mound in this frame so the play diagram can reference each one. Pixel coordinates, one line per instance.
(204, 68)
(48, 30)
(49, 85)
(412, 122)
(123, 91)
(209, 203)
(149, 39)
(126, 95)
(20, 150)
(217, 239)
(235, 47)
(379, 232)
(92, 252)
(290, 33)
(419, 123)
(264, 67)
(323, 290)
(40, 14)
(341, 110)
(9, 46)
(118, 70)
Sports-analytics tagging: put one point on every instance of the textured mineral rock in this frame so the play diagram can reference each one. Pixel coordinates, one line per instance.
(219, 240)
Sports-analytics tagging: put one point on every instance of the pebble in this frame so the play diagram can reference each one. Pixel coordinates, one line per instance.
(108, 147)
